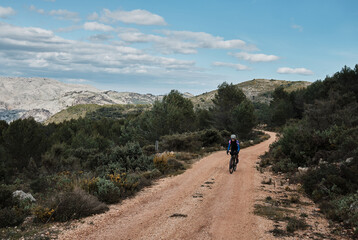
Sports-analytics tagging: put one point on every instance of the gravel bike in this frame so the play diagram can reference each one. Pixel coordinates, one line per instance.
(232, 163)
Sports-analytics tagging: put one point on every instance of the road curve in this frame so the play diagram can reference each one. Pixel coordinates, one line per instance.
(205, 202)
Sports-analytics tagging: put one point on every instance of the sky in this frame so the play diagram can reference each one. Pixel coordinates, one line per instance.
(153, 46)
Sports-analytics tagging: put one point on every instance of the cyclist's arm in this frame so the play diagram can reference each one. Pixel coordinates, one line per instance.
(229, 146)
(238, 146)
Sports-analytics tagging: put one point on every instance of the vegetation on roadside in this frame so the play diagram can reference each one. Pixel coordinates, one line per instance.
(318, 146)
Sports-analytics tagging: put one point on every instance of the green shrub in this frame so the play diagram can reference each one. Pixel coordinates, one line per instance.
(149, 149)
(344, 209)
(77, 204)
(10, 217)
(175, 165)
(6, 199)
(295, 224)
(155, 173)
(107, 191)
(40, 184)
(210, 137)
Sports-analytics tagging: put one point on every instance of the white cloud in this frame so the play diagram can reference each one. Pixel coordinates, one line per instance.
(137, 16)
(237, 66)
(61, 14)
(38, 10)
(93, 17)
(69, 29)
(301, 71)
(27, 49)
(64, 14)
(255, 57)
(100, 37)
(184, 42)
(95, 26)
(298, 27)
(6, 11)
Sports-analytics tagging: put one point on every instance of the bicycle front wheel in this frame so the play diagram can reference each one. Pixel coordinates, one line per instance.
(231, 165)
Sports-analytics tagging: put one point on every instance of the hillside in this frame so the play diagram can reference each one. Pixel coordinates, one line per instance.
(42, 97)
(258, 90)
(118, 111)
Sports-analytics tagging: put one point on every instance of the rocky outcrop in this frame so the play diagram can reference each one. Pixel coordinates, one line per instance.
(41, 98)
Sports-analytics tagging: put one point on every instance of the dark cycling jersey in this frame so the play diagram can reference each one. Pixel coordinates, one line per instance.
(234, 145)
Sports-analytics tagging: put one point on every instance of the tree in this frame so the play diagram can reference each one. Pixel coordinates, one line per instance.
(243, 118)
(24, 139)
(228, 97)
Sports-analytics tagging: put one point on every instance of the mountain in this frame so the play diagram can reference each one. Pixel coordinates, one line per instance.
(257, 90)
(43, 97)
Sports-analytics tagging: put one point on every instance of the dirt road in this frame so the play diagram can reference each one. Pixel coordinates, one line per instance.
(205, 202)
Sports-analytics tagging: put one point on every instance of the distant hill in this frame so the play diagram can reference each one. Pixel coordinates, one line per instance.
(41, 98)
(53, 101)
(257, 90)
(118, 111)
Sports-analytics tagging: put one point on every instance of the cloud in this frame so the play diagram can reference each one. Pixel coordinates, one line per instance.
(298, 27)
(6, 11)
(61, 14)
(36, 50)
(95, 26)
(100, 37)
(301, 71)
(64, 14)
(38, 10)
(137, 16)
(69, 29)
(184, 42)
(255, 57)
(93, 17)
(237, 66)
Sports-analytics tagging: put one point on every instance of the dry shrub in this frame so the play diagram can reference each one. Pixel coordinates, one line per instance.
(161, 162)
(77, 204)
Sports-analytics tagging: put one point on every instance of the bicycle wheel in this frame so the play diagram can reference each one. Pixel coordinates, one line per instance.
(231, 165)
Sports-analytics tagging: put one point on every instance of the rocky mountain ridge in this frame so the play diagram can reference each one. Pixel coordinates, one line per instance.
(41, 98)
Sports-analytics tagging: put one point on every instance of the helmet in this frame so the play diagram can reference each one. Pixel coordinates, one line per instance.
(233, 136)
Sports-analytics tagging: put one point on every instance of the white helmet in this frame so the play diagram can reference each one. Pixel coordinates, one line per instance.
(233, 136)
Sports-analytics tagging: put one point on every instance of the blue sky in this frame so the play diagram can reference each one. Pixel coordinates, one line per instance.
(158, 45)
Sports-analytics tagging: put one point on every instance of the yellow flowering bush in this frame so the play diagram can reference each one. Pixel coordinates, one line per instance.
(89, 185)
(161, 161)
(43, 213)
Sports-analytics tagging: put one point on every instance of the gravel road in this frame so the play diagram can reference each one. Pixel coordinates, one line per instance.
(205, 202)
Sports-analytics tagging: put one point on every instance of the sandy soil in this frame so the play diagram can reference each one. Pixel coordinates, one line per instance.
(205, 202)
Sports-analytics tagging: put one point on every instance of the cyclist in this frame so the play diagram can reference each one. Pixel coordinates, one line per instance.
(234, 146)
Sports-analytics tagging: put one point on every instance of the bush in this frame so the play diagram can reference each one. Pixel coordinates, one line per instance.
(43, 214)
(77, 204)
(175, 165)
(181, 142)
(295, 224)
(10, 217)
(40, 184)
(6, 199)
(107, 191)
(161, 162)
(149, 149)
(344, 209)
